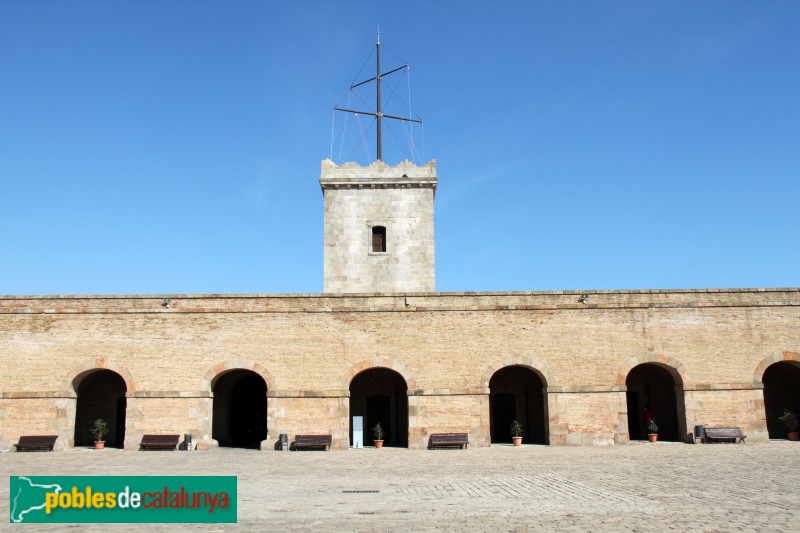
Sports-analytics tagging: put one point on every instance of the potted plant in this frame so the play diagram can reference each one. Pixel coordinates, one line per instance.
(652, 430)
(377, 432)
(789, 422)
(516, 433)
(99, 431)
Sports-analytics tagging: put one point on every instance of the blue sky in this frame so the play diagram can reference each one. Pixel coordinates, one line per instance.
(175, 147)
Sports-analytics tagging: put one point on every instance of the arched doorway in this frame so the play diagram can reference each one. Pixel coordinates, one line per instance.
(101, 394)
(781, 391)
(658, 389)
(518, 393)
(381, 395)
(240, 409)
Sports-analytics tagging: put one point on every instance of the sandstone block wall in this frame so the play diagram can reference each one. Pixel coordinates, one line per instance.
(446, 347)
(398, 198)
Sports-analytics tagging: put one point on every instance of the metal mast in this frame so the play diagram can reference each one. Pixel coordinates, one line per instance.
(378, 85)
(378, 114)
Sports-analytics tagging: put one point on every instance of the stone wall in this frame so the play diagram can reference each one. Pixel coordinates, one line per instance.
(446, 347)
(398, 198)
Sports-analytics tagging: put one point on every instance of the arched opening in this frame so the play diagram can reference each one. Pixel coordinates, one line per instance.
(240, 409)
(518, 393)
(781, 392)
(381, 395)
(101, 394)
(655, 391)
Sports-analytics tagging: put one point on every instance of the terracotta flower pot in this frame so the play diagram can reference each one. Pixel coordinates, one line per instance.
(652, 437)
(516, 440)
(794, 435)
(99, 444)
(378, 443)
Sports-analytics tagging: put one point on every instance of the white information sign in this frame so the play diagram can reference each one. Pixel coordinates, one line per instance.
(358, 432)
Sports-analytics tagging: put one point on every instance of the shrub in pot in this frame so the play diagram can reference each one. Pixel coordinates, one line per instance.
(99, 431)
(377, 432)
(516, 433)
(652, 430)
(789, 422)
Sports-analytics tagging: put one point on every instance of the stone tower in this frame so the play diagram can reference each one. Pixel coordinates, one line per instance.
(379, 227)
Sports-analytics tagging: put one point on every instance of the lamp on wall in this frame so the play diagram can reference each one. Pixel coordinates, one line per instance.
(583, 298)
(166, 303)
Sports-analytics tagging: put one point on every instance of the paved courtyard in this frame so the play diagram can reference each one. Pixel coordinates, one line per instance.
(641, 487)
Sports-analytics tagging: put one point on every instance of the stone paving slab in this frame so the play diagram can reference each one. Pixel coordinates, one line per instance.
(660, 487)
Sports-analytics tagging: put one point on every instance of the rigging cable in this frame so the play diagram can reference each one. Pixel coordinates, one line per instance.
(362, 66)
(363, 138)
(344, 129)
(400, 144)
(422, 130)
(333, 133)
(387, 49)
(394, 89)
(406, 147)
(411, 124)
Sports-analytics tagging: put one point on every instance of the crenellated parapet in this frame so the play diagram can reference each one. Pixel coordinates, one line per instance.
(378, 175)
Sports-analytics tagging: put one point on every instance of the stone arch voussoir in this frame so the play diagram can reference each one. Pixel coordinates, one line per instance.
(100, 363)
(207, 383)
(378, 362)
(775, 357)
(517, 360)
(676, 367)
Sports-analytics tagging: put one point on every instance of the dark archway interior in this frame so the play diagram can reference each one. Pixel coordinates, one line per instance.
(652, 387)
(240, 409)
(781, 391)
(518, 393)
(101, 394)
(381, 395)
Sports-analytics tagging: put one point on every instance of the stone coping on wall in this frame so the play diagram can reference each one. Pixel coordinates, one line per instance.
(169, 394)
(395, 294)
(400, 302)
(582, 389)
(32, 395)
(585, 389)
(448, 392)
(699, 387)
(309, 394)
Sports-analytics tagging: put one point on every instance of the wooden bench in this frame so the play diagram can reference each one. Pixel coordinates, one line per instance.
(311, 442)
(159, 442)
(448, 440)
(723, 435)
(36, 443)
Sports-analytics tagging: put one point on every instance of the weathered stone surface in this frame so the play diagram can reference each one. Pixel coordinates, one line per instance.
(398, 198)
(308, 348)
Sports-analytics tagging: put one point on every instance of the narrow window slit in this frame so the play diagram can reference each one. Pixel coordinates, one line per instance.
(378, 238)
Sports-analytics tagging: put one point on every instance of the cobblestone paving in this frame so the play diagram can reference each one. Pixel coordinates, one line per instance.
(660, 487)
